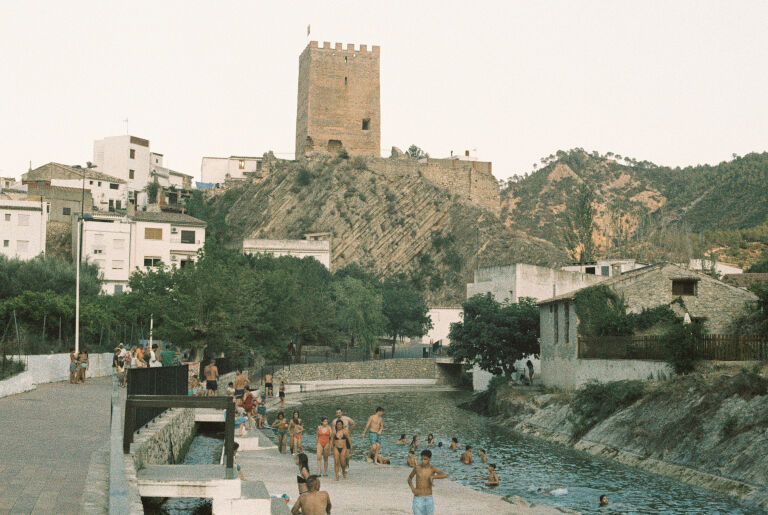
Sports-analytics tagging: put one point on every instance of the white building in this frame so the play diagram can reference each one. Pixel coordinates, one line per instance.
(442, 318)
(128, 158)
(108, 192)
(216, 170)
(605, 267)
(23, 222)
(8, 183)
(706, 265)
(166, 178)
(318, 249)
(120, 245)
(511, 282)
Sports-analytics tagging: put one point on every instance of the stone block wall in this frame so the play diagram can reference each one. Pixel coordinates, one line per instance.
(164, 440)
(399, 368)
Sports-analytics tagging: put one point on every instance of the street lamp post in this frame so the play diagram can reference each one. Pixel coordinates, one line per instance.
(79, 254)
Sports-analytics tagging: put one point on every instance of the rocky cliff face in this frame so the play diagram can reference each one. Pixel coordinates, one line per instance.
(391, 223)
(709, 429)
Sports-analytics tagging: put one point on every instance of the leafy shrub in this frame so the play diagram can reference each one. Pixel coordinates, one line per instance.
(730, 427)
(681, 347)
(749, 383)
(389, 196)
(10, 368)
(304, 177)
(602, 312)
(595, 402)
(343, 154)
(359, 163)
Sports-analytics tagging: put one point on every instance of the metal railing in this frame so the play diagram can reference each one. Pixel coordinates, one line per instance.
(715, 347)
(156, 381)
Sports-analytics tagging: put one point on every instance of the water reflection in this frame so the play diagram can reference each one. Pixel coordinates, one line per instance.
(524, 464)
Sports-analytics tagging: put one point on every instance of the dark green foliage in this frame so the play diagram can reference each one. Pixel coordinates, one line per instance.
(304, 177)
(749, 383)
(601, 312)
(416, 153)
(595, 402)
(580, 225)
(494, 335)
(730, 427)
(152, 189)
(681, 344)
(759, 268)
(359, 163)
(404, 309)
(10, 367)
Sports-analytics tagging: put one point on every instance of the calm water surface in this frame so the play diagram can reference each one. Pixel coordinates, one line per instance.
(523, 464)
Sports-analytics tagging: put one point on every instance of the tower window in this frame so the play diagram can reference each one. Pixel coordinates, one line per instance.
(132, 153)
(345, 81)
(366, 124)
(345, 59)
(241, 164)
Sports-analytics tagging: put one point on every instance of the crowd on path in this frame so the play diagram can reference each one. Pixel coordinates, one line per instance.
(143, 356)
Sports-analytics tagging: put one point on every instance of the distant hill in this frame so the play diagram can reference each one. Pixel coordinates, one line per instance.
(648, 211)
(393, 224)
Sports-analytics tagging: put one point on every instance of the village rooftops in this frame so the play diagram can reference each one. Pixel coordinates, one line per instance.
(59, 171)
(684, 274)
(167, 217)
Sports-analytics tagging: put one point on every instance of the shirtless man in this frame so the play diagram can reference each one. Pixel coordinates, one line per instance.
(240, 382)
(466, 456)
(411, 461)
(374, 427)
(349, 424)
(211, 375)
(313, 502)
(268, 385)
(483, 457)
(423, 504)
(492, 479)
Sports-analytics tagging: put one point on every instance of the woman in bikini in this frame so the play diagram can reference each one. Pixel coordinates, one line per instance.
(292, 431)
(430, 440)
(342, 446)
(281, 425)
(82, 360)
(303, 462)
(323, 446)
(414, 442)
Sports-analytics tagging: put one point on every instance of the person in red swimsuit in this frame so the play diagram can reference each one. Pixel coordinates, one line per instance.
(323, 446)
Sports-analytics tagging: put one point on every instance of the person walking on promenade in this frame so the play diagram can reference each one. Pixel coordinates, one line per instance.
(282, 429)
(117, 366)
(374, 427)
(314, 502)
(261, 410)
(281, 394)
(345, 420)
(268, 385)
(154, 358)
(342, 446)
(425, 474)
(301, 479)
(82, 366)
(72, 366)
(323, 446)
(240, 382)
(211, 376)
(248, 400)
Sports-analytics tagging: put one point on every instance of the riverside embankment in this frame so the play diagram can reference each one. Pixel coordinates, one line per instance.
(708, 429)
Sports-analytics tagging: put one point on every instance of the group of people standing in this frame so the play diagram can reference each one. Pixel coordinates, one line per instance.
(78, 364)
(142, 356)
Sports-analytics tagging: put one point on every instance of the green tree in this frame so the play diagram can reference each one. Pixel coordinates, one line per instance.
(359, 312)
(416, 153)
(152, 189)
(405, 311)
(494, 335)
(580, 225)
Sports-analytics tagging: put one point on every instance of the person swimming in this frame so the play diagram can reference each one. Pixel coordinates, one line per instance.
(604, 500)
(402, 440)
(454, 444)
(430, 440)
(483, 457)
(492, 479)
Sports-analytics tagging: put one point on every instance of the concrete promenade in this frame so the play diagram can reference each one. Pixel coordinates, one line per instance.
(47, 438)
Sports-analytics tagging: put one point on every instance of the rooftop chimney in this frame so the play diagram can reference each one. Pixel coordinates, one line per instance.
(466, 153)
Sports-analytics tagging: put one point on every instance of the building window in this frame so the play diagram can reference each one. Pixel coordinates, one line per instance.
(7, 217)
(22, 245)
(118, 289)
(98, 251)
(118, 264)
(605, 270)
(556, 324)
(6, 243)
(90, 183)
(684, 286)
(345, 81)
(153, 234)
(589, 270)
(132, 153)
(66, 211)
(118, 244)
(131, 174)
(258, 165)
(366, 124)
(345, 59)
(118, 204)
(150, 261)
(567, 321)
(111, 205)
(23, 221)
(113, 186)
(99, 183)
(241, 164)
(188, 236)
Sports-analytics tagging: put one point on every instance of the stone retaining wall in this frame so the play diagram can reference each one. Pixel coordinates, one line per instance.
(165, 439)
(399, 368)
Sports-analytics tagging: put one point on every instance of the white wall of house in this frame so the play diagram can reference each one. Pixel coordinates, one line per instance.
(442, 318)
(113, 156)
(107, 244)
(23, 228)
(216, 169)
(604, 267)
(101, 191)
(318, 249)
(719, 268)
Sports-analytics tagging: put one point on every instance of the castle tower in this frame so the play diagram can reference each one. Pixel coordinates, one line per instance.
(338, 102)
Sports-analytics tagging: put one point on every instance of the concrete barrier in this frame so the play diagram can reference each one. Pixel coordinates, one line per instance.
(49, 368)
(341, 384)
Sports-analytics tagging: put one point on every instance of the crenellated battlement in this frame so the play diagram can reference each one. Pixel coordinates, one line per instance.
(340, 47)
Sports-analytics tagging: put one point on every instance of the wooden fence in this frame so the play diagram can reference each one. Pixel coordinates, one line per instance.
(715, 347)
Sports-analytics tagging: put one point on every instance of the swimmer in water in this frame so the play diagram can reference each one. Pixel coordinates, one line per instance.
(604, 500)
(492, 479)
(454, 443)
(430, 440)
(483, 457)
(402, 440)
(411, 461)
(466, 456)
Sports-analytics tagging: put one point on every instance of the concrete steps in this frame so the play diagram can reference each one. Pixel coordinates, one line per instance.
(254, 440)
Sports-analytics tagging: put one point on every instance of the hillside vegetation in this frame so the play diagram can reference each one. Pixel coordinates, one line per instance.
(388, 224)
(647, 211)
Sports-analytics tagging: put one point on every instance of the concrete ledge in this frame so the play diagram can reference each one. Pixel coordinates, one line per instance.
(210, 415)
(187, 481)
(254, 500)
(314, 386)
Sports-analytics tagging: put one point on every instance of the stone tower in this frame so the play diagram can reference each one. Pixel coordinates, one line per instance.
(338, 102)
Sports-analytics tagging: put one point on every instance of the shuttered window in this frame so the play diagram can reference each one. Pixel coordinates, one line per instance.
(153, 234)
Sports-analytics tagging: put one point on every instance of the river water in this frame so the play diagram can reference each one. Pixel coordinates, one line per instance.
(524, 464)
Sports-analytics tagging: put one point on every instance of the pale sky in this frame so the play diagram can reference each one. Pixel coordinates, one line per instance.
(676, 83)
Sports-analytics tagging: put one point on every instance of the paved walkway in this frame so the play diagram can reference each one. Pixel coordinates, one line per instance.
(47, 437)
